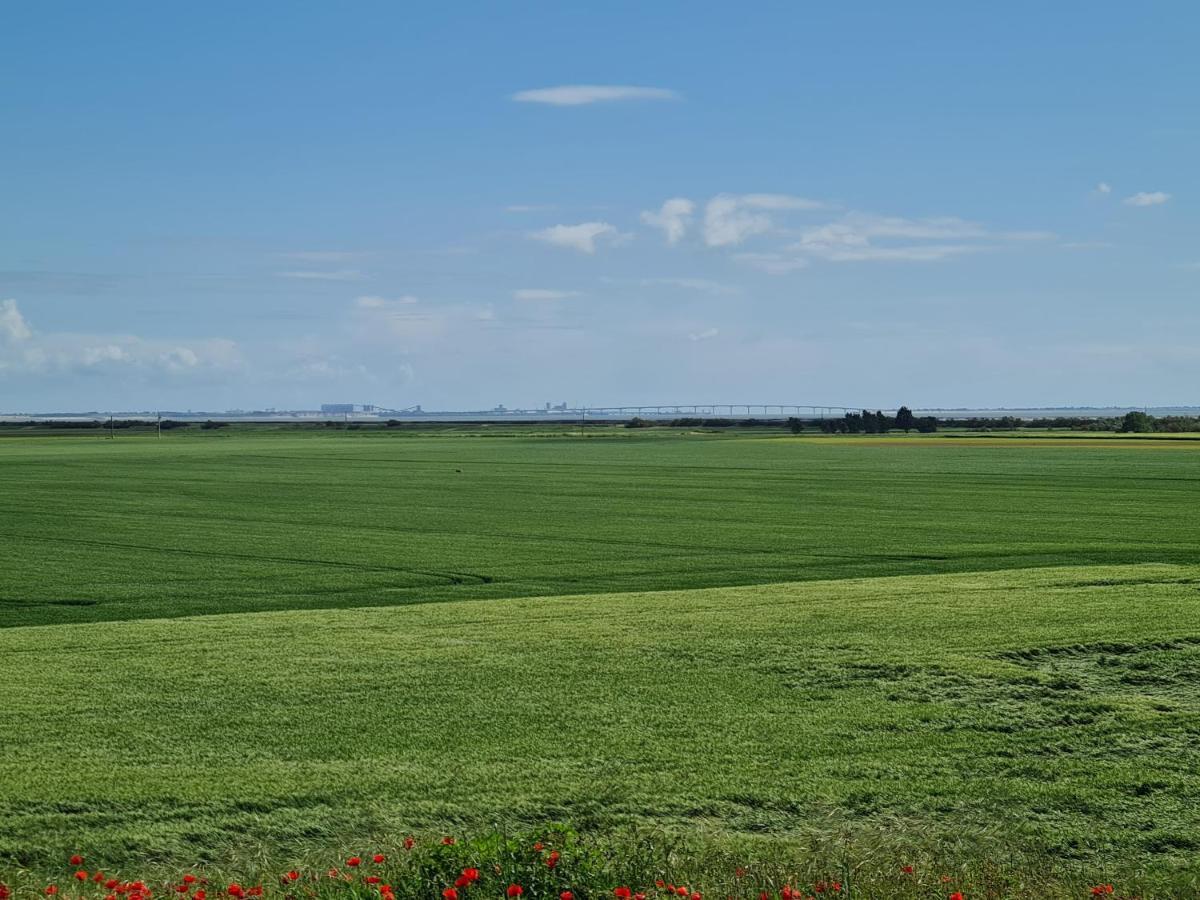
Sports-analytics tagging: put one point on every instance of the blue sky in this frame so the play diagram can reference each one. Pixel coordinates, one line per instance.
(283, 204)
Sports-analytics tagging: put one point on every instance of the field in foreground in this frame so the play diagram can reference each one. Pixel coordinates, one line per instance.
(1026, 708)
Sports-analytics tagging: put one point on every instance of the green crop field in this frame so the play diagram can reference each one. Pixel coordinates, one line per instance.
(947, 645)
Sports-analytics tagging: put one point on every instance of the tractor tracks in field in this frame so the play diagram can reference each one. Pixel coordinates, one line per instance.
(449, 577)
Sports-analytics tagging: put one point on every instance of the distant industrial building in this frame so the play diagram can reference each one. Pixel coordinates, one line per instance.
(343, 409)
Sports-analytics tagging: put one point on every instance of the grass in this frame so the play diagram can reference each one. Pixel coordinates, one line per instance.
(227, 522)
(949, 649)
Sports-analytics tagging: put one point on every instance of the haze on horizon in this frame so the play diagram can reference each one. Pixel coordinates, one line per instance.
(938, 204)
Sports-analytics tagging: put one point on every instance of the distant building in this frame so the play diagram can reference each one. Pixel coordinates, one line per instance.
(342, 409)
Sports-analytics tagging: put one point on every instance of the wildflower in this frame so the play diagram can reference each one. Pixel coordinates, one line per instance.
(408, 843)
(639, 896)
(255, 891)
(98, 877)
(660, 883)
(739, 872)
(51, 890)
(354, 862)
(764, 896)
(111, 884)
(786, 893)
(189, 879)
(181, 888)
(292, 875)
(552, 859)
(448, 841)
(81, 875)
(236, 890)
(907, 870)
(450, 894)
(836, 887)
(515, 890)
(372, 879)
(539, 846)
(695, 895)
(200, 894)
(622, 893)
(471, 874)
(565, 895)
(76, 860)
(5, 893)
(681, 891)
(957, 895)
(378, 858)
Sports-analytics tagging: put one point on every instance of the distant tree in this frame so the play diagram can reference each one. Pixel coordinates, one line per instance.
(796, 425)
(637, 422)
(926, 424)
(905, 419)
(1137, 421)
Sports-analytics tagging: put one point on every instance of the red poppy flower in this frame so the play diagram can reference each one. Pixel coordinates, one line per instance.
(957, 895)
(764, 896)
(372, 879)
(255, 891)
(200, 895)
(5, 893)
(739, 872)
(907, 870)
(622, 893)
(539, 846)
(552, 860)
(639, 896)
(81, 875)
(836, 886)
(660, 883)
(111, 883)
(76, 860)
(695, 895)
(565, 895)
(819, 887)
(515, 890)
(354, 862)
(378, 858)
(786, 893)
(471, 874)
(448, 841)
(292, 875)
(51, 890)
(449, 894)
(408, 843)
(236, 890)
(461, 881)
(181, 888)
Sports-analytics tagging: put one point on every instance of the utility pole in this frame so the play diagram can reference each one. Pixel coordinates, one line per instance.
(112, 431)
(160, 425)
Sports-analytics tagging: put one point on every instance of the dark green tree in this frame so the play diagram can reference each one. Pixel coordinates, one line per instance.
(905, 419)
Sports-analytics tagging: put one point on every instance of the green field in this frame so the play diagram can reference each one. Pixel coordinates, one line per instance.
(286, 638)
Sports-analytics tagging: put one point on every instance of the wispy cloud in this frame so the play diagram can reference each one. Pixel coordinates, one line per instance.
(316, 275)
(529, 207)
(1148, 198)
(371, 301)
(705, 335)
(673, 218)
(693, 284)
(583, 94)
(729, 219)
(542, 294)
(582, 237)
(772, 263)
(1104, 188)
(323, 256)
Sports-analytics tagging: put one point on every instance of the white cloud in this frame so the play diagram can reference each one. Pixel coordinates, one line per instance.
(323, 256)
(1104, 188)
(13, 326)
(582, 94)
(706, 334)
(673, 218)
(772, 263)
(529, 207)
(731, 218)
(335, 275)
(542, 294)
(374, 302)
(1148, 198)
(693, 284)
(582, 237)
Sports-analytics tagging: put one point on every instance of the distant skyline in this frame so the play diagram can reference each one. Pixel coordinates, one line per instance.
(460, 205)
